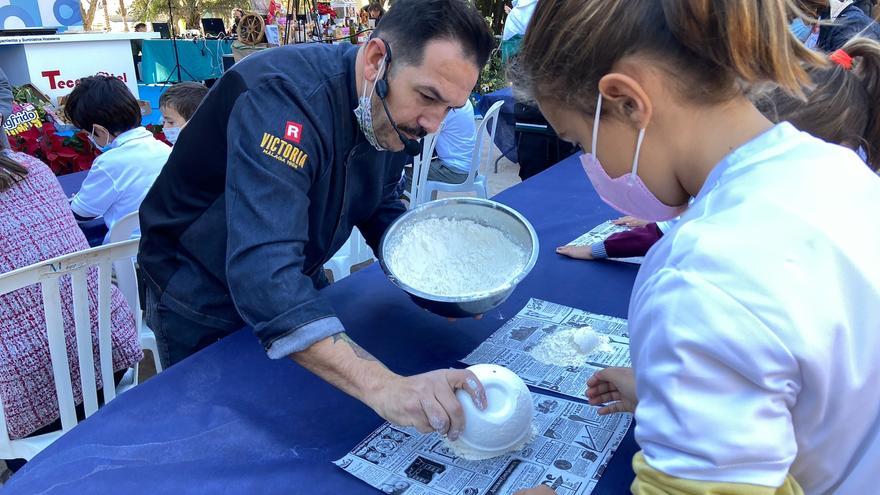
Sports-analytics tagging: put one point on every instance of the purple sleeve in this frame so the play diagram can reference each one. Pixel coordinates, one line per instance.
(635, 242)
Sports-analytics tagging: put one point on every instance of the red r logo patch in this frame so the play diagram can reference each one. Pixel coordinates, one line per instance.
(293, 132)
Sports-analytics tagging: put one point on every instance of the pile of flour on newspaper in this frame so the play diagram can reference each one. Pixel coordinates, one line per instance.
(570, 347)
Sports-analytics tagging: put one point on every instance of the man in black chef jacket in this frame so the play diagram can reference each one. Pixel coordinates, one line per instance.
(292, 149)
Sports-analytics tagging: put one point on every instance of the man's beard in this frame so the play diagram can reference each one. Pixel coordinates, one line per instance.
(388, 139)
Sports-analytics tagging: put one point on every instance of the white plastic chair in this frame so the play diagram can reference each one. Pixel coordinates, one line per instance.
(126, 279)
(354, 252)
(47, 274)
(421, 168)
(475, 181)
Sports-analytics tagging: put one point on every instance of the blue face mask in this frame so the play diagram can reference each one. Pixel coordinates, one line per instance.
(102, 149)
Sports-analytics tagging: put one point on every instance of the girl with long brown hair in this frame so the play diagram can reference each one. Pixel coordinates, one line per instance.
(753, 322)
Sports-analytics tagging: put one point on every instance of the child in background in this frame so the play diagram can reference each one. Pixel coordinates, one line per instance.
(178, 104)
(753, 321)
(843, 108)
(131, 158)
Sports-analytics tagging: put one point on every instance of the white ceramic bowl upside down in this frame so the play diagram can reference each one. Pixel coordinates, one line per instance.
(505, 425)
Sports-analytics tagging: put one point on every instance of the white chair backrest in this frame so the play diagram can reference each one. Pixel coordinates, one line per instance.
(421, 167)
(47, 274)
(126, 277)
(125, 227)
(486, 129)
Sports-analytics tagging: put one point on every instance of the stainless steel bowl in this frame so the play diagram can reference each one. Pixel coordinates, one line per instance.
(482, 211)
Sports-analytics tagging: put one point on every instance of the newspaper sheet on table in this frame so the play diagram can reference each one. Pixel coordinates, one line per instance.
(510, 345)
(569, 454)
(602, 232)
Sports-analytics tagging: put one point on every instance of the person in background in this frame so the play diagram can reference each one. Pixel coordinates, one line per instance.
(455, 146)
(753, 321)
(807, 30)
(137, 47)
(376, 11)
(6, 101)
(515, 27)
(178, 104)
(36, 225)
(131, 158)
(237, 14)
(847, 22)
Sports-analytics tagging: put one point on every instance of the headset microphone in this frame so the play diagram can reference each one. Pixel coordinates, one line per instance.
(411, 147)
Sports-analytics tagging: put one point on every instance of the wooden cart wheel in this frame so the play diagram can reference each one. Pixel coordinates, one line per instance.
(251, 29)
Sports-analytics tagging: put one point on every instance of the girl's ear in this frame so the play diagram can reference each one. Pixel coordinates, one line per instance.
(627, 99)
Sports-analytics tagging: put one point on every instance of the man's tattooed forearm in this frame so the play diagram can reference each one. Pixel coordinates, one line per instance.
(358, 350)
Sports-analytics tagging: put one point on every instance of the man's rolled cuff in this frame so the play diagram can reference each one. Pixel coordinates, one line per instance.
(300, 339)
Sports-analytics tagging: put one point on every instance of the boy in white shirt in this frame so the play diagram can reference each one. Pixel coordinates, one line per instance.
(131, 158)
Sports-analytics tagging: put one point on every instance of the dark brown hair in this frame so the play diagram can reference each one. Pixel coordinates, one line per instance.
(102, 100)
(184, 98)
(844, 105)
(10, 171)
(714, 49)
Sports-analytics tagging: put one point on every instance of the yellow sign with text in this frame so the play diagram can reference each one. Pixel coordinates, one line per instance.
(283, 151)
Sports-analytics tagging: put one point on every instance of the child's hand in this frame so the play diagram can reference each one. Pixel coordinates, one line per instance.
(631, 222)
(615, 387)
(576, 252)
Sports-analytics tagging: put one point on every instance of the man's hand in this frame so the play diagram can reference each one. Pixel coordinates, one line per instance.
(576, 252)
(538, 490)
(615, 387)
(631, 222)
(427, 401)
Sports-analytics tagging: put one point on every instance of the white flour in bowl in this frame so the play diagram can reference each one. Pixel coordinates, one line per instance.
(454, 257)
(570, 347)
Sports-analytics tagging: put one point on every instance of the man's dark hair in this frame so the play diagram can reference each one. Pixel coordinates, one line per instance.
(140, 25)
(409, 25)
(184, 98)
(102, 100)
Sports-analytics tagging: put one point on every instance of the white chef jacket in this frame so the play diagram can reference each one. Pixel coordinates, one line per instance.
(120, 177)
(755, 323)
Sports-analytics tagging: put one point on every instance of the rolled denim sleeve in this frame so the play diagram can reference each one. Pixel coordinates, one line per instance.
(275, 152)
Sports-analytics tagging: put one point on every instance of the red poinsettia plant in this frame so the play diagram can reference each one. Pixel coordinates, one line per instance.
(63, 154)
(326, 9)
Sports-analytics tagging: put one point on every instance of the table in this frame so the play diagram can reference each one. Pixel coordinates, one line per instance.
(94, 229)
(55, 63)
(199, 60)
(229, 420)
(505, 136)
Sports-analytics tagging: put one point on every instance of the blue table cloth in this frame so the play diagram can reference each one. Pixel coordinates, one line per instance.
(505, 137)
(199, 60)
(229, 420)
(94, 229)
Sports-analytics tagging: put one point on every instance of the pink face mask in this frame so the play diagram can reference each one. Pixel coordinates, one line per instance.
(627, 193)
